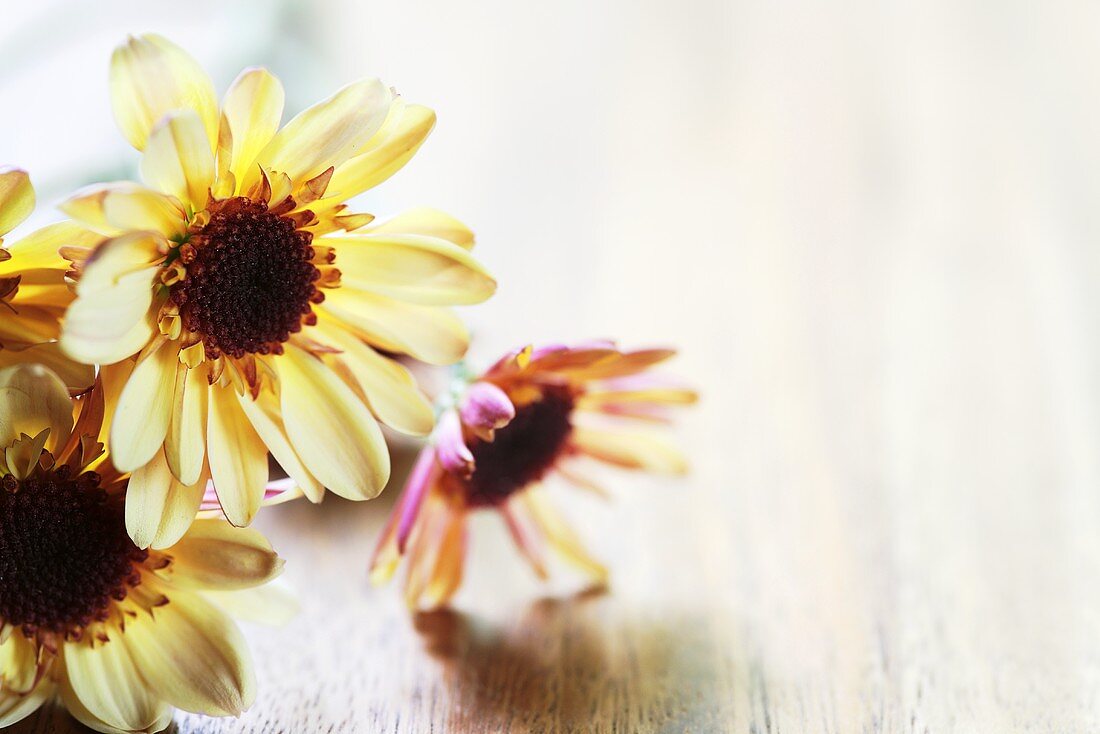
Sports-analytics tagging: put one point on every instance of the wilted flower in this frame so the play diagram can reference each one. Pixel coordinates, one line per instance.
(254, 325)
(501, 435)
(119, 634)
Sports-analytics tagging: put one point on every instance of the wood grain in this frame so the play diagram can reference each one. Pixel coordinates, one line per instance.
(872, 229)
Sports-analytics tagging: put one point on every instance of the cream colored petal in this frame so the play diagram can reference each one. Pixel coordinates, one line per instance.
(144, 409)
(109, 685)
(342, 446)
(394, 145)
(185, 443)
(104, 330)
(237, 456)
(193, 656)
(326, 134)
(391, 390)
(16, 198)
(81, 713)
(151, 77)
(14, 707)
(216, 555)
(178, 160)
(265, 417)
(253, 107)
(273, 603)
(412, 268)
(159, 509)
(428, 333)
(631, 449)
(33, 399)
(132, 207)
(18, 664)
(111, 318)
(427, 222)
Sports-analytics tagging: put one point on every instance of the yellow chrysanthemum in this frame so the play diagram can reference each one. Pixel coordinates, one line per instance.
(255, 327)
(33, 293)
(119, 634)
(502, 434)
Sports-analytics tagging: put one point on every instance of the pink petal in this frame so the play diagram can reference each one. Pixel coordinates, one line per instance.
(486, 406)
(454, 455)
(412, 497)
(274, 492)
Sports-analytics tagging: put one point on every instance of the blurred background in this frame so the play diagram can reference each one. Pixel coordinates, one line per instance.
(870, 227)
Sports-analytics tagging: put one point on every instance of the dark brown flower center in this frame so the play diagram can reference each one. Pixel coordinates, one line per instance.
(250, 280)
(523, 451)
(64, 551)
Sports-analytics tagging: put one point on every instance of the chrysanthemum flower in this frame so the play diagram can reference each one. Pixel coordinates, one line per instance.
(255, 325)
(119, 634)
(33, 293)
(526, 418)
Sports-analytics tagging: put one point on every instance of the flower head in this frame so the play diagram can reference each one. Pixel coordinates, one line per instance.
(120, 634)
(499, 436)
(235, 292)
(33, 293)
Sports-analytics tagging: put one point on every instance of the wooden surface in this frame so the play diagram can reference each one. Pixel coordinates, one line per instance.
(872, 228)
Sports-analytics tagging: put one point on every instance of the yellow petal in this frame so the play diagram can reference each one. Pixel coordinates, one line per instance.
(159, 509)
(342, 446)
(38, 250)
(15, 707)
(185, 443)
(16, 198)
(114, 378)
(122, 206)
(151, 77)
(447, 575)
(427, 222)
(662, 395)
(386, 153)
(77, 377)
(253, 107)
(111, 318)
(326, 134)
(193, 656)
(263, 413)
(109, 685)
(33, 399)
(559, 534)
(178, 160)
(237, 456)
(144, 409)
(216, 555)
(431, 334)
(390, 389)
(81, 713)
(631, 449)
(412, 268)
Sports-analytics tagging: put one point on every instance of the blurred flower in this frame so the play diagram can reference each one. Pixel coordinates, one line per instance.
(33, 293)
(527, 417)
(121, 635)
(254, 326)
